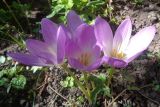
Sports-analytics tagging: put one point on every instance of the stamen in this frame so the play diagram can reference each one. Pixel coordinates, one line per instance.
(84, 59)
(116, 54)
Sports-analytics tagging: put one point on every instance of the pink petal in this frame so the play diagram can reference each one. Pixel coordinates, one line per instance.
(85, 37)
(42, 49)
(140, 41)
(61, 41)
(67, 32)
(133, 57)
(49, 31)
(28, 59)
(72, 49)
(73, 20)
(103, 35)
(114, 62)
(122, 35)
(95, 53)
(75, 64)
(94, 65)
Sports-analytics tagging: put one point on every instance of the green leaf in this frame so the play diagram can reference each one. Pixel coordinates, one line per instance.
(69, 4)
(95, 3)
(3, 72)
(100, 87)
(3, 81)
(98, 90)
(102, 77)
(12, 71)
(81, 98)
(98, 82)
(157, 87)
(55, 10)
(64, 83)
(107, 91)
(84, 0)
(68, 82)
(18, 82)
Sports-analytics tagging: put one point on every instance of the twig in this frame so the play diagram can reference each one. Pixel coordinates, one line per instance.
(149, 98)
(71, 102)
(55, 97)
(109, 105)
(105, 103)
(58, 94)
(43, 85)
(148, 85)
(7, 48)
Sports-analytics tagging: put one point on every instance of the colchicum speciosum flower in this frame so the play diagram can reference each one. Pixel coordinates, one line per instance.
(82, 51)
(44, 53)
(122, 48)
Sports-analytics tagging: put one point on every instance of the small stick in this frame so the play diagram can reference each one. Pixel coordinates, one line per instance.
(74, 105)
(58, 94)
(148, 98)
(117, 97)
(43, 85)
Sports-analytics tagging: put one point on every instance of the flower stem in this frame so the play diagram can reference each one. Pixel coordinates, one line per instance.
(76, 81)
(111, 71)
(86, 83)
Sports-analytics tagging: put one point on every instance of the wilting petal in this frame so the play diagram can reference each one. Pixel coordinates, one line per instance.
(73, 20)
(49, 31)
(61, 44)
(28, 59)
(42, 49)
(85, 37)
(140, 41)
(114, 62)
(122, 35)
(94, 65)
(103, 34)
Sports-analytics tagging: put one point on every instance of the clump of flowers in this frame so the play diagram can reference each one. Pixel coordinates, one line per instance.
(86, 47)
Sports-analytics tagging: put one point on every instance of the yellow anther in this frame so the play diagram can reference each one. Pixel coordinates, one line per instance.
(84, 59)
(116, 54)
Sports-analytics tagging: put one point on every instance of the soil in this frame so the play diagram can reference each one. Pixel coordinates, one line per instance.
(142, 72)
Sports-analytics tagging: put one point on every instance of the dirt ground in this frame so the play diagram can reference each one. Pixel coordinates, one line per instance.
(143, 70)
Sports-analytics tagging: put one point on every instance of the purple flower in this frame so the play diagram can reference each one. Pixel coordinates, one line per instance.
(44, 53)
(82, 51)
(122, 48)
